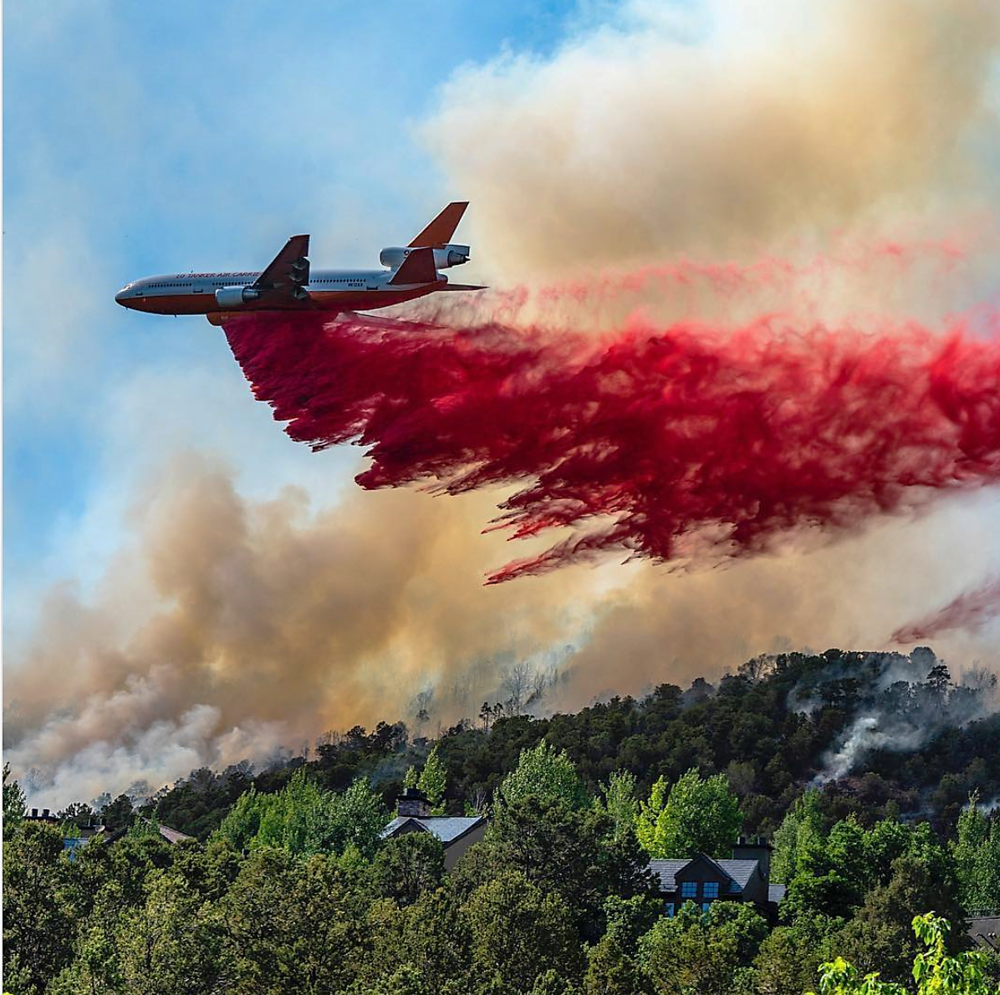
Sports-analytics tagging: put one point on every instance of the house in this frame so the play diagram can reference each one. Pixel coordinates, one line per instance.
(745, 877)
(457, 833)
(50, 819)
(171, 836)
(71, 844)
(984, 929)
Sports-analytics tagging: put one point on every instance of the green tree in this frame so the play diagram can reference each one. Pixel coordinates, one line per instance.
(546, 773)
(291, 925)
(433, 781)
(117, 814)
(789, 958)
(702, 953)
(354, 818)
(566, 851)
(437, 939)
(13, 802)
(611, 971)
(695, 816)
(171, 945)
(551, 982)
(976, 852)
(803, 824)
(934, 972)
(518, 932)
(404, 980)
(880, 936)
(303, 819)
(242, 821)
(37, 925)
(621, 802)
(407, 866)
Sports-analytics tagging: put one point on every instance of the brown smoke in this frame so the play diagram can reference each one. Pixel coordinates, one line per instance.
(634, 143)
(267, 623)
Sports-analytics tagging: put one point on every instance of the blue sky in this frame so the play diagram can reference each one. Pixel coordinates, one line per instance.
(144, 138)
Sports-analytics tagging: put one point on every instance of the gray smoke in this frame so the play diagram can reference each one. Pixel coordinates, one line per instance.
(898, 703)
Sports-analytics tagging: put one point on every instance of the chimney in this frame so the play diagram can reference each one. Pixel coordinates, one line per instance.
(34, 813)
(755, 849)
(45, 813)
(413, 803)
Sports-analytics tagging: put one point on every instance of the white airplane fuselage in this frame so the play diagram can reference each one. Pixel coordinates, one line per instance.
(328, 290)
(289, 283)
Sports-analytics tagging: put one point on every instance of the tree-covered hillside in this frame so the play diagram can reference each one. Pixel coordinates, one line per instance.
(880, 733)
(300, 890)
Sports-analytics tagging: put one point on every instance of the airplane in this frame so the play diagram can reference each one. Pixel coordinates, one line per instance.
(287, 284)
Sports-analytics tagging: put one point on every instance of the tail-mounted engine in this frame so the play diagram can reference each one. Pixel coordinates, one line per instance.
(444, 257)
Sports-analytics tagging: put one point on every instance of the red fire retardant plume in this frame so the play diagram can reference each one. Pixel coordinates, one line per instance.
(660, 443)
(970, 610)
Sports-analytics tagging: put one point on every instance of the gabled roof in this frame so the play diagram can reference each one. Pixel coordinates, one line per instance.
(738, 870)
(446, 828)
(776, 893)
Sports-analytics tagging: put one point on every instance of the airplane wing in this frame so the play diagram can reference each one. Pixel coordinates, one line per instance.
(417, 267)
(440, 230)
(288, 273)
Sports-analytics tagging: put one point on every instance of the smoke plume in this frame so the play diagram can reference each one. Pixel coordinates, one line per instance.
(664, 444)
(897, 703)
(259, 626)
(722, 127)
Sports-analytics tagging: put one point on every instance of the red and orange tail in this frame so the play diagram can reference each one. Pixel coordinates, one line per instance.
(440, 230)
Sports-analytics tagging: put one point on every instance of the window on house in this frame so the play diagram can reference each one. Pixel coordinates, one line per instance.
(689, 889)
(669, 910)
(710, 889)
(705, 906)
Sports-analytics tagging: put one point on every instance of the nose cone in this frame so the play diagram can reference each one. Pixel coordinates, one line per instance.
(120, 296)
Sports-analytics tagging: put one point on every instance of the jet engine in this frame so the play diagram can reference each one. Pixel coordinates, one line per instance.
(230, 297)
(444, 257)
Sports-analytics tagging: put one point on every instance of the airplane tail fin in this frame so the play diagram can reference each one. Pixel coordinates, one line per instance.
(417, 267)
(440, 230)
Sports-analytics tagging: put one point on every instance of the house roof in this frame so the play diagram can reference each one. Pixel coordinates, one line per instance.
(446, 828)
(985, 931)
(666, 870)
(738, 870)
(776, 893)
(172, 835)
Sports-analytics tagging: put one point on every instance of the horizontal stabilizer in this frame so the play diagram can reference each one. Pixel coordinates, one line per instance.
(463, 286)
(417, 267)
(440, 230)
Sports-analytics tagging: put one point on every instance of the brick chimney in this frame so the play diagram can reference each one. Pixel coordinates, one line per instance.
(413, 803)
(758, 849)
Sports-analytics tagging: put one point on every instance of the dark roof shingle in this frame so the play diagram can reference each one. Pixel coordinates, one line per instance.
(445, 827)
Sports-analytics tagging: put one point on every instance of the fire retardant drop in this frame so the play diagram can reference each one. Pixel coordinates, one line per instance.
(664, 443)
